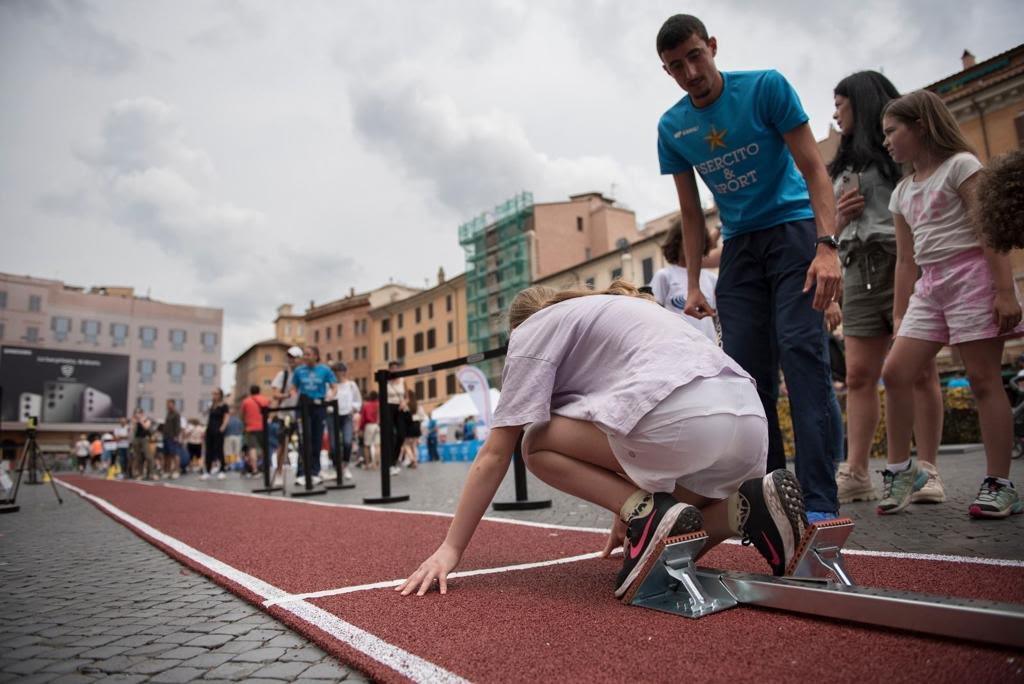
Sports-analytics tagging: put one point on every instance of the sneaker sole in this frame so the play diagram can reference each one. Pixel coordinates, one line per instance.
(780, 487)
(664, 529)
(979, 512)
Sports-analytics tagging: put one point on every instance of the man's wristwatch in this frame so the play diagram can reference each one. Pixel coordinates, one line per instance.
(829, 240)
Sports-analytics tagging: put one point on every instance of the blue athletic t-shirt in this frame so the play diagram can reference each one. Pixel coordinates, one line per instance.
(313, 382)
(736, 145)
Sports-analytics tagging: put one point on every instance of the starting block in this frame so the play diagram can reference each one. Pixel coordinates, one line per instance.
(817, 584)
(820, 552)
(668, 581)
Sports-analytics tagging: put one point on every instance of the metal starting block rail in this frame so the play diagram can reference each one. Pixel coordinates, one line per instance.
(818, 585)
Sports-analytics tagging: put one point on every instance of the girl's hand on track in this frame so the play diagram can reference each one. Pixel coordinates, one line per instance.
(616, 537)
(435, 568)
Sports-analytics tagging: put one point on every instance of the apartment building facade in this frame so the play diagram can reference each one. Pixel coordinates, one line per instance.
(423, 328)
(636, 262)
(289, 327)
(519, 242)
(167, 351)
(258, 365)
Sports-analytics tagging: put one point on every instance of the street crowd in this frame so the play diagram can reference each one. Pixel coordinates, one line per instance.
(144, 448)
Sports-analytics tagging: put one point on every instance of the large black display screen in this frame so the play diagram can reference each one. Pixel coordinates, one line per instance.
(62, 386)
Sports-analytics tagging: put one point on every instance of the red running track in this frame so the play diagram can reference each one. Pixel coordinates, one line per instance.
(557, 621)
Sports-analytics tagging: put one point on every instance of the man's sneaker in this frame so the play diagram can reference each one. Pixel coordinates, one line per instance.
(278, 481)
(995, 500)
(347, 473)
(395, 470)
(221, 475)
(932, 491)
(204, 476)
(897, 488)
(854, 486)
(658, 516)
(772, 517)
(317, 480)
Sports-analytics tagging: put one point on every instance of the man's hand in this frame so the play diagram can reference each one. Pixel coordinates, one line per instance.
(697, 306)
(616, 536)
(826, 275)
(435, 568)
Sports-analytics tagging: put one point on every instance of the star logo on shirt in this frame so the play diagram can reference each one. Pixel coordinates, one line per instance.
(716, 138)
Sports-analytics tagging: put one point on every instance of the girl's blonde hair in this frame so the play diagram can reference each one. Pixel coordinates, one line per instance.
(533, 299)
(941, 131)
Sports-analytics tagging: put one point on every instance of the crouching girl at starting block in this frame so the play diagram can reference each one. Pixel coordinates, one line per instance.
(627, 406)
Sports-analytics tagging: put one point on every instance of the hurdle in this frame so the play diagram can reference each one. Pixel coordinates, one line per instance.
(819, 585)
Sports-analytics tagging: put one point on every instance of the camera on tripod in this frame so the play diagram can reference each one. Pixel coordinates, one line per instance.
(31, 459)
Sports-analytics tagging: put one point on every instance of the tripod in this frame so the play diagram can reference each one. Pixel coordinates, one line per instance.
(31, 457)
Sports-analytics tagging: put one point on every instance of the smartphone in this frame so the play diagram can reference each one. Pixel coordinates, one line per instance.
(851, 181)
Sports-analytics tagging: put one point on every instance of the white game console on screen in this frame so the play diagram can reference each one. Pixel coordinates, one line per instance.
(62, 401)
(96, 405)
(29, 406)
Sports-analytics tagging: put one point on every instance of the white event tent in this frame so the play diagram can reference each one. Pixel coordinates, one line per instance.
(461, 406)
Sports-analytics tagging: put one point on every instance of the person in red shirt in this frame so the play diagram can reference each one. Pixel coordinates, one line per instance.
(369, 416)
(252, 416)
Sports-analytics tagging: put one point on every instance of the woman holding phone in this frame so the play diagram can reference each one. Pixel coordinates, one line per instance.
(864, 176)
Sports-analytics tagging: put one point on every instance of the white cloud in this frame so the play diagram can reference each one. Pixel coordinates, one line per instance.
(67, 32)
(144, 176)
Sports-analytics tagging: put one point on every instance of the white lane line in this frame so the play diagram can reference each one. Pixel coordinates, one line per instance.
(455, 575)
(375, 509)
(398, 659)
(971, 560)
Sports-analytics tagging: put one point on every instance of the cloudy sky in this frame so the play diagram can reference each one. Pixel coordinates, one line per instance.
(241, 154)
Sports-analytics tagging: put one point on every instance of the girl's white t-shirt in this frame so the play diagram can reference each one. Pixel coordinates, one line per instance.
(81, 448)
(934, 211)
(605, 359)
(669, 286)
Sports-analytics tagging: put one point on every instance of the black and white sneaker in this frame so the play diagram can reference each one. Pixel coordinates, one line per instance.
(772, 517)
(658, 516)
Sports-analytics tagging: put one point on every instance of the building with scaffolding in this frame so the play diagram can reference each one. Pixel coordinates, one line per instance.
(520, 242)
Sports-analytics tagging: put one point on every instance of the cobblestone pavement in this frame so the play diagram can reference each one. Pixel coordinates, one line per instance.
(84, 599)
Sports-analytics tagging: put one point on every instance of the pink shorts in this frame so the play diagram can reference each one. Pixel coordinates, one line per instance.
(952, 302)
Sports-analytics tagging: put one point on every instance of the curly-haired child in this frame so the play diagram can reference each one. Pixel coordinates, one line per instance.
(999, 214)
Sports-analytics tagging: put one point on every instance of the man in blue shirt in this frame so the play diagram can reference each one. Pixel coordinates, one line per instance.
(747, 135)
(314, 382)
